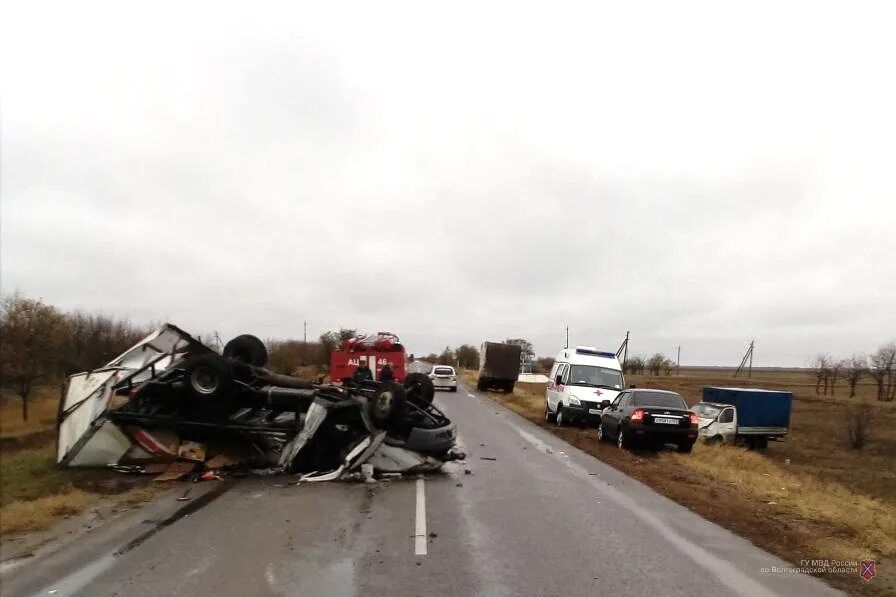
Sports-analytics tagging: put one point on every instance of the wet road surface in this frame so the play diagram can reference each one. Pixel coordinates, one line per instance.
(534, 516)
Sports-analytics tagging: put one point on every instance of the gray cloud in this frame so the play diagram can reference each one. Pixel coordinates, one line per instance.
(450, 183)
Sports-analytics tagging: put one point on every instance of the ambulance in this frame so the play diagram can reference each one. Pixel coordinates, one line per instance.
(581, 379)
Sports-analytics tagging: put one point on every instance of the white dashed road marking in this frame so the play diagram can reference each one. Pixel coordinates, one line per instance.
(420, 526)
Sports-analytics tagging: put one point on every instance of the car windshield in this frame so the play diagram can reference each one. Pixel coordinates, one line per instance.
(443, 371)
(659, 399)
(598, 377)
(706, 411)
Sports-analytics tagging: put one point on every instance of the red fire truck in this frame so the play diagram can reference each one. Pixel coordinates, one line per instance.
(376, 350)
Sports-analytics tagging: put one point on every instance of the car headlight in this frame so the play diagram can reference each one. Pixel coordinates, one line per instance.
(575, 401)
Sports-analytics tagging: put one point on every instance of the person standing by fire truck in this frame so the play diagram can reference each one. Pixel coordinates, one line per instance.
(363, 372)
(386, 373)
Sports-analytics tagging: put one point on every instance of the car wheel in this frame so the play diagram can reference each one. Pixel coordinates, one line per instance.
(685, 448)
(561, 420)
(419, 389)
(548, 415)
(387, 404)
(621, 440)
(716, 440)
(600, 433)
(248, 349)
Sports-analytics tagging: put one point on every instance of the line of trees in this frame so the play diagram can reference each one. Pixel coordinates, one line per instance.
(655, 365)
(880, 366)
(40, 345)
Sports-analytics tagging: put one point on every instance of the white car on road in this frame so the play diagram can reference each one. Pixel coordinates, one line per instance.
(444, 378)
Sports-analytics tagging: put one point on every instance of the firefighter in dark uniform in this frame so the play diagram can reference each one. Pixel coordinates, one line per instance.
(386, 373)
(363, 372)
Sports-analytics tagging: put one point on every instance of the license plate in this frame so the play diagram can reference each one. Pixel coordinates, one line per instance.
(593, 411)
(665, 421)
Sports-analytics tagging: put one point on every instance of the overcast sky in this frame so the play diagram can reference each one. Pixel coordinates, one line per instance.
(700, 173)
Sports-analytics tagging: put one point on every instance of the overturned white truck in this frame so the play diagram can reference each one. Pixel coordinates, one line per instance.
(170, 390)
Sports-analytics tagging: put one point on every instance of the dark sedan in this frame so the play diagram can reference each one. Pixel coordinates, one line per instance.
(648, 417)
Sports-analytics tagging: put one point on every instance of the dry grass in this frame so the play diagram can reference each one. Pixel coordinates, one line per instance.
(42, 410)
(34, 492)
(868, 525)
(40, 513)
(830, 501)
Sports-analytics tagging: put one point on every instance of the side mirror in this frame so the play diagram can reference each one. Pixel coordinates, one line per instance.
(604, 403)
(558, 380)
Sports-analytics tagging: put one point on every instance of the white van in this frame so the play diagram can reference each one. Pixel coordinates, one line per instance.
(581, 380)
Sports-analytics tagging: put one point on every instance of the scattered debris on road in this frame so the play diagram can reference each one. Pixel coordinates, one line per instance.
(172, 407)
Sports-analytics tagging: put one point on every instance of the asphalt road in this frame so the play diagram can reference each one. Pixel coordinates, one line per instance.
(534, 516)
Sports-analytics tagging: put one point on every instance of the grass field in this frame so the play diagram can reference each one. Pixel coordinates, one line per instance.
(34, 492)
(810, 497)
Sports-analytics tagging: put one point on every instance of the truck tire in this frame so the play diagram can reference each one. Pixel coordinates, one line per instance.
(387, 404)
(508, 387)
(419, 389)
(210, 381)
(248, 349)
(685, 447)
(548, 415)
(482, 385)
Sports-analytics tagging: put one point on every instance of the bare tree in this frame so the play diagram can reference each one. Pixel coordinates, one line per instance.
(447, 357)
(883, 363)
(853, 370)
(467, 356)
(635, 365)
(668, 365)
(655, 364)
(822, 369)
(836, 371)
(34, 338)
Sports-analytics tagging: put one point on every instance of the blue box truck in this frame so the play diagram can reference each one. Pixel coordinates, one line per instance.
(747, 415)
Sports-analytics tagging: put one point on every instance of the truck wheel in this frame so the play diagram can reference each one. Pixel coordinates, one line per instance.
(248, 349)
(210, 380)
(761, 443)
(508, 387)
(716, 440)
(548, 415)
(419, 389)
(561, 420)
(685, 448)
(481, 385)
(387, 403)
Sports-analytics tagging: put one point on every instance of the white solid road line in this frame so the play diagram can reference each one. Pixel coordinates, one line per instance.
(420, 526)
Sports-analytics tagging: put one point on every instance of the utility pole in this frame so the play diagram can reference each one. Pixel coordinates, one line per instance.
(625, 353)
(305, 335)
(567, 336)
(747, 361)
(750, 370)
(678, 361)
